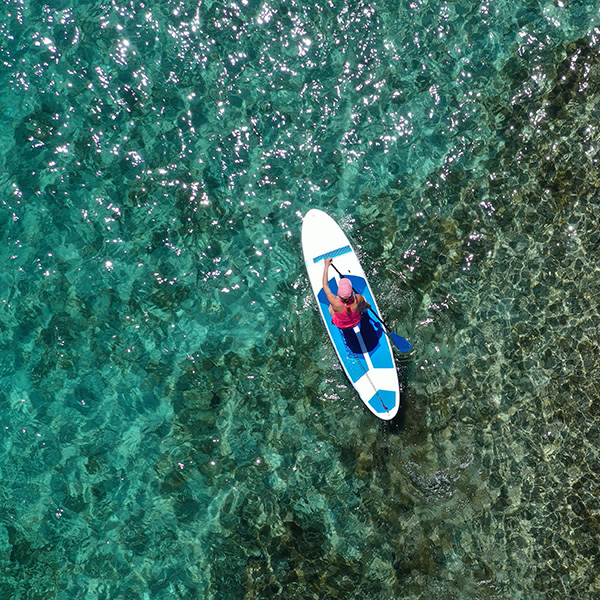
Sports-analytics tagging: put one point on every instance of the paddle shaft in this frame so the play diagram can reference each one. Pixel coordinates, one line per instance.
(402, 344)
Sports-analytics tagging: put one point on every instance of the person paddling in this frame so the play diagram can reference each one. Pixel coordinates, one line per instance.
(347, 307)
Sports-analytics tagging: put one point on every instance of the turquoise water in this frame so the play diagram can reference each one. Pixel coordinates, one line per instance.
(173, 420)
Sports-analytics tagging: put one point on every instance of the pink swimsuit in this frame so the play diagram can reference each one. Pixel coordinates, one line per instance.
(343, 320)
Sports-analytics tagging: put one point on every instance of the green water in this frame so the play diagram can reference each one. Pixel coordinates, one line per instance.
(173, 420)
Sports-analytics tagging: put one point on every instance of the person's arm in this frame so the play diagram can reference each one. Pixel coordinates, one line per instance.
(362, 303)
(330, 295)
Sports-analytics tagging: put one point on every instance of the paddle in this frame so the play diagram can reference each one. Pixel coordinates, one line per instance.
(401, 343)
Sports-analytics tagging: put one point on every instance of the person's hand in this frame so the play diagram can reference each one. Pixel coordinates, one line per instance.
(328, 261)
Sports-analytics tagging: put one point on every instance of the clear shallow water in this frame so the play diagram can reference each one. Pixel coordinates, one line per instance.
(174, 423)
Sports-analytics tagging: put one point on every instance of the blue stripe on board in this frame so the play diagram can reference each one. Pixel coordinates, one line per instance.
(374, 339)
(333, 253)
(383, 401)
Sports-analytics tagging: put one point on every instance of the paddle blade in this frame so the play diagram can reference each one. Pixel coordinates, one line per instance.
(401, 343)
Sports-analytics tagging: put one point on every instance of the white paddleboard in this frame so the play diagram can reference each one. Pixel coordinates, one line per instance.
(365, 350)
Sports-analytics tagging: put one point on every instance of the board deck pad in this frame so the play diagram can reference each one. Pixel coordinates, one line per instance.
(364, 351)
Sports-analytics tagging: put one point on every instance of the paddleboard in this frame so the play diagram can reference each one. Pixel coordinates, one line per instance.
(364, 351)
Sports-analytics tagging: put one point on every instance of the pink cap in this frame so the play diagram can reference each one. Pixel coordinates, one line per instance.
(344, 288)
